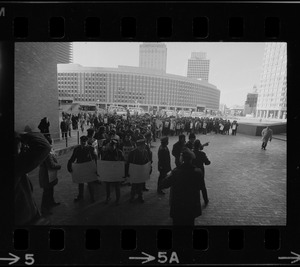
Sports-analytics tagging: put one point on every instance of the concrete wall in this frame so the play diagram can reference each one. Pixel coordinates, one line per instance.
(255, 129)
(36, 94)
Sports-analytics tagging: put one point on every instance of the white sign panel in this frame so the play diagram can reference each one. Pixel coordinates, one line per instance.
(139, 173)
(84, 172)
(111, 171)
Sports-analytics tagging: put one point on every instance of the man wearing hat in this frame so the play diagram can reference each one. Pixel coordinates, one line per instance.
(81, 154)
(186, 182)
(164, 162)
(140, 156)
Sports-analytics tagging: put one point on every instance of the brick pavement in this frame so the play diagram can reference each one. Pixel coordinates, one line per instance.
(246, 186)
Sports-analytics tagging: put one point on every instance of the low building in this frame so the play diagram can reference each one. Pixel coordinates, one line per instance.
(131, 86)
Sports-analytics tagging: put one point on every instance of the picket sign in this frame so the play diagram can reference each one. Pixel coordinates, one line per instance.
(111, 171)
(52, 175)
(84, 172)
(139, 173)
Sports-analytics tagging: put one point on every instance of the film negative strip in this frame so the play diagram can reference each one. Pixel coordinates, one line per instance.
(253, 212)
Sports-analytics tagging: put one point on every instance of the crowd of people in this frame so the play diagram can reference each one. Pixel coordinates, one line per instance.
(128, 140)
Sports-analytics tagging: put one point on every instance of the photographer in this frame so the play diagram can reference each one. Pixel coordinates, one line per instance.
(30, 150)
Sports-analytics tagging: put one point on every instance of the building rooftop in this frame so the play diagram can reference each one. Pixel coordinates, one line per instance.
(130, 69)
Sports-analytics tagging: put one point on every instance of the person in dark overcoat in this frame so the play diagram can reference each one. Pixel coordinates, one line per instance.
(30, 150)
(186, 182)
(199, 161)
(64, 128)
(164, 162)
(177, 149)
(49, 164)
(44, 127)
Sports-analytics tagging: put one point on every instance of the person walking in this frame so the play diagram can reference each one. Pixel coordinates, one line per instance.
(267, 135)
(199, 161)
(234, 127)
(48, 169)
(113, 154)
(81, 154)
(185, 182)
(164, 162)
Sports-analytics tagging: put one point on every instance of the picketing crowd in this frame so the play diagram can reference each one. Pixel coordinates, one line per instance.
(117, 151)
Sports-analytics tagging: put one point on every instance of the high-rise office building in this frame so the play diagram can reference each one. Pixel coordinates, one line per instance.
(198, 66)
(272, 95)
(153, 56)
(36, 93)
(251, 102)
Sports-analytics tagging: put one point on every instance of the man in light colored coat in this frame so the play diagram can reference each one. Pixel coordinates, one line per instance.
(266, 134)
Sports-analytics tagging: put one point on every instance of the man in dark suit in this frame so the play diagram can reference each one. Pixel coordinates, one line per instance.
(164, 162)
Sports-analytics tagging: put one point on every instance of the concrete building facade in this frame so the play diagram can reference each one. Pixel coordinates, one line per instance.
(250, 103)
(127, 86)
(272, 94)
(198, 66)
(153, 56)
(36, 94)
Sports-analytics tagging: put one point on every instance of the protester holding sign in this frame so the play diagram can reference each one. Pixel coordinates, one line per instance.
(139, 169)
(113, 154)
(84, 170)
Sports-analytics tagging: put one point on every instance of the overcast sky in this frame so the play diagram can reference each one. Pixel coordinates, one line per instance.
(234, 67)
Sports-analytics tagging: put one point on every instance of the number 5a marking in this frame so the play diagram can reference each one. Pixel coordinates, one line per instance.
(162, 257)
(29, 259)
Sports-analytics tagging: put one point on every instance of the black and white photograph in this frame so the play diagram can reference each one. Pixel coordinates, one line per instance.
(150, 134)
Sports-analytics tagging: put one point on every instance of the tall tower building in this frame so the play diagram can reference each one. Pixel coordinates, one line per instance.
(198, 66)
(153, 56)
(272, 95)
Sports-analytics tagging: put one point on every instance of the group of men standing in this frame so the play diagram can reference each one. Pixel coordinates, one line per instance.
(186, 180)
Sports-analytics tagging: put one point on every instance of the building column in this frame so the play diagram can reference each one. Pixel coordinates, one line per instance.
(279, 114)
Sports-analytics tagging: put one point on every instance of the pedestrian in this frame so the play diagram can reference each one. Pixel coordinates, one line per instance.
(234, 127)
(30, 150)
(185, 182)
(81, 154)
(267, 135)
(164, 162)
(47, 180)
(63, 128)
(44, 126)
(113, 154)
(127, 147)
(199, 161)
(138, 156)
(69, 123)
(177, 149)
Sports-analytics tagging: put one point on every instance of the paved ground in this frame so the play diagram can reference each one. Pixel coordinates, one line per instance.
(246, 186)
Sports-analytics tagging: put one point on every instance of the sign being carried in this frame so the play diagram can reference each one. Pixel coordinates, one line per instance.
(139, 173)
(84, 172)
(111, 171)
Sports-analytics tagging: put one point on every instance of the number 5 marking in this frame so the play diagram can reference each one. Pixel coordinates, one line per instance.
(29, 259)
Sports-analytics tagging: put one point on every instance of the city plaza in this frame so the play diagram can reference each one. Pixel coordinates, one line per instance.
(246, 186)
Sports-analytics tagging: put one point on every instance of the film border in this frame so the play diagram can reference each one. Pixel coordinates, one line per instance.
(146, 15)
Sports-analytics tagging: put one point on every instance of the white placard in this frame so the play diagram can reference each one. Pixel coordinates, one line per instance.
(84, 172)
(234, 127)
(52, 175)
(139, 173)
(221, 127)
(111, 171)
